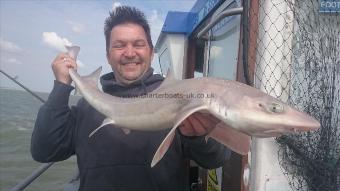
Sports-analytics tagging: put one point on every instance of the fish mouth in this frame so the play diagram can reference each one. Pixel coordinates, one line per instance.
(311, 125)
(269, 133)
(301, 122)
(306, 127)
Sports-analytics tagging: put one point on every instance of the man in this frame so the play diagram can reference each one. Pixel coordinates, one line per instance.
(112, 160)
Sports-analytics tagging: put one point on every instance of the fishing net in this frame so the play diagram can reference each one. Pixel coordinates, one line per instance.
(294, 49)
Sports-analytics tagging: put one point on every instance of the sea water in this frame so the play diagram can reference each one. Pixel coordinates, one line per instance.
(18, 111)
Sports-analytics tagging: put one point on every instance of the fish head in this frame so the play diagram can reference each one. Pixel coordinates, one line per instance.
(261, 115)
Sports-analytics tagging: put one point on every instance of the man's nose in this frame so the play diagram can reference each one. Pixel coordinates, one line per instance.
(130, 51)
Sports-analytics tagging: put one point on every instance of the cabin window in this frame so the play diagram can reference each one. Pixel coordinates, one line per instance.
(165, 60)
(199, 58)
(223, 45)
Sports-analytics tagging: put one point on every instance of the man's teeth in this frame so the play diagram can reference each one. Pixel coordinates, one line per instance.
(130, 63)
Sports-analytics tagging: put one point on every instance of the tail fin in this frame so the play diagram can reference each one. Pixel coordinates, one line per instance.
(73, 51)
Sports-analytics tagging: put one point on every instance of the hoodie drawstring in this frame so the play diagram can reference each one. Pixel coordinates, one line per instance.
(144, 87)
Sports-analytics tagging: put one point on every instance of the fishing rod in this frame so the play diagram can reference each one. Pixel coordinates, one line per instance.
(42, 168)
(21, 85)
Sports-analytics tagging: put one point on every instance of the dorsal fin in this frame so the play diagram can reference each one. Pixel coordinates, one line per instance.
(93, 78)
(169, 79)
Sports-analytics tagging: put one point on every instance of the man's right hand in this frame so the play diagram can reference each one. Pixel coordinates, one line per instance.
(60, 67)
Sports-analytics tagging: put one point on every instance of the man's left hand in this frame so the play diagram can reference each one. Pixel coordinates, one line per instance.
(198, 124)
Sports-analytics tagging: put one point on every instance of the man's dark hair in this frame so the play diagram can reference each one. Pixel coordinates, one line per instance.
(125, 14)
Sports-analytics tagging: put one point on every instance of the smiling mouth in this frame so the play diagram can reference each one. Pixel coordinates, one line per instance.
(131, 66)
(131, 62)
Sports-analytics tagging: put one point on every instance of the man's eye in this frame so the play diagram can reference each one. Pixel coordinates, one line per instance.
(118, 45)
(140, 44)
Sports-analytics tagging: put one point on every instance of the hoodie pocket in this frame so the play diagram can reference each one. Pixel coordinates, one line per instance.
(118, 178)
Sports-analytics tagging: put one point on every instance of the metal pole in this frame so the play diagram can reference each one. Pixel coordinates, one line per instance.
(29, 179)
(245, 40)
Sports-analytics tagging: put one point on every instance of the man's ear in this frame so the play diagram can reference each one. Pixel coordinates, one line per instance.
(152, 54)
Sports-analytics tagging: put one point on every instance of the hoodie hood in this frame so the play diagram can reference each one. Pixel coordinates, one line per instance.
(146, 84)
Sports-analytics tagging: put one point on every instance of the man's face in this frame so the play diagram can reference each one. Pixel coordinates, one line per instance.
(129, 53)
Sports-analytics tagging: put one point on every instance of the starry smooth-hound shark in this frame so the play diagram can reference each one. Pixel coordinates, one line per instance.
(243, 111)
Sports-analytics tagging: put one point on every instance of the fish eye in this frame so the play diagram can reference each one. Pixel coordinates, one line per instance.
(276, 108)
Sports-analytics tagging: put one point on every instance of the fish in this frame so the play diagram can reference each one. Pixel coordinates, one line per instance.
(243, 111)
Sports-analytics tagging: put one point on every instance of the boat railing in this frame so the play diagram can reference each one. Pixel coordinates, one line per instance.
(42, 168)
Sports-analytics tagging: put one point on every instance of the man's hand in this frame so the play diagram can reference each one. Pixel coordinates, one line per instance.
(60, 67)
(198, 124)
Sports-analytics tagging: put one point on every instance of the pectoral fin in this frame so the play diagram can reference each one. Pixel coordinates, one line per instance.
(234, 140)
(105, 122)
(180, 117)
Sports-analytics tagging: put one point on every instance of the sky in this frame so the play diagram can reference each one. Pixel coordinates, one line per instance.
(33, 32)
